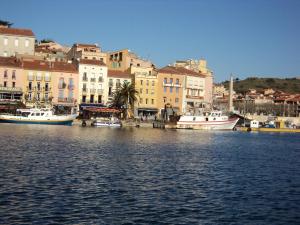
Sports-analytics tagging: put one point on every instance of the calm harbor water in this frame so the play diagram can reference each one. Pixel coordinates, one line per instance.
(75, 175)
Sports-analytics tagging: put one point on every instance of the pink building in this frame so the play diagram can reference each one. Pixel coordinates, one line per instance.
(11, 80)
(64, 84)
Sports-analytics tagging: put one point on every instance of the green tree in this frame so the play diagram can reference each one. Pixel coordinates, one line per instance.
(5, 23)
(125, 97)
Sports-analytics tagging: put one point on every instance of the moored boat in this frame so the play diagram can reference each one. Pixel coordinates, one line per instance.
(106, 122)
(213, 120)
(37, 116)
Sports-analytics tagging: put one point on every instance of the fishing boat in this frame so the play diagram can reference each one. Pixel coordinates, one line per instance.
(213, 120)
(37, 116)
(106, 122)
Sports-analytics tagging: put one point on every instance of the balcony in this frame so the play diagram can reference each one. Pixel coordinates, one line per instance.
(62, 86)
(93, 79)
(71, 86)
(84, 90)
(10, 89)
(65, 100)
(92, 90)
(194, 97)
(168, 84)
(47, 89)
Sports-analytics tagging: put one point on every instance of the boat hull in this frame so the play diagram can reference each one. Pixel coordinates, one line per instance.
(45, 122)
(101, 124)
(208, 125)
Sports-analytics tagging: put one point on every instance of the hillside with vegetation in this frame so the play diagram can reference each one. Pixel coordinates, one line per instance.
(288, 85)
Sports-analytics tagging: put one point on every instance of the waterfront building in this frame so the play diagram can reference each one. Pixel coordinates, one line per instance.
(115, 80)
(146, 83)
(50, 83)
(15, 41)
(86, 51)
(64, 84)
(52, 51)
(37, 82)
(93, 84)
(170, 90)
(11, 81)
(200, 66)
(122, 60)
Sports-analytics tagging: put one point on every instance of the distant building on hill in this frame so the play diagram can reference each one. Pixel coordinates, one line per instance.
(15, 41)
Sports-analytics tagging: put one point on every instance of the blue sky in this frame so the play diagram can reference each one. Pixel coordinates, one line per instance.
(244, 37)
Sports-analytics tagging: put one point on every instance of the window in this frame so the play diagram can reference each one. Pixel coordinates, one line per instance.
(4, 84)
(147, 82)
(16, 42)
(141, 82)
(5, 41)
(5, 74)
(13, 76)
(152, 91)
(61, 94)
(83, 98)
(39, 76)
(26, 43)
(46, 86)
(176, 100)
(146, 101)
(84, 78)
(84, 87)
(177, 81)
(38, 86)
(13, 84)
(152, 101)
(177, 90)
(141, 100)
(165, 99)
(30, 76)
(61, 83)
(146, 91)
(165, 80)
(5, 53)
(38, 96)
(165, 89)
(153, 83)
(110, 91)
(70, 95)
(171, 89)
(30, 86)
(171, 80)
(47, 77)
(141, 90)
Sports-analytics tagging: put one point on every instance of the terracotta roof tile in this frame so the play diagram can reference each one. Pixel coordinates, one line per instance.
(180, 71)
(86, 45)
(9, 62)
(118, 74)
(92, 62)
(15, 31)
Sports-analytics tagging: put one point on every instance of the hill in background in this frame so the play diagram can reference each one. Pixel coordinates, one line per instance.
(288, 85)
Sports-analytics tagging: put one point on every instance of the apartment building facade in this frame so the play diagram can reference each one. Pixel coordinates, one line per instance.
(123, 59)
(15, 41)
(115, 80)
(11, 81)
(86, 51)
(93, 85)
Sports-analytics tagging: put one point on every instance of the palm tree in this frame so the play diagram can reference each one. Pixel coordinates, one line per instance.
(124, 97)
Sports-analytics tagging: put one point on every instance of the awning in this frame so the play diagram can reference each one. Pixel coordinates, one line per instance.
(103, 110)
(148, 109)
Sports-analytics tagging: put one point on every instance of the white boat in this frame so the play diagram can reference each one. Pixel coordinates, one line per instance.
(37, 116)
(213, 120)
(106, 122)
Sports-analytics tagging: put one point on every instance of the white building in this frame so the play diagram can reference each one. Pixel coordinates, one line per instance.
(93, 84)
(193, 92)
(115, 80)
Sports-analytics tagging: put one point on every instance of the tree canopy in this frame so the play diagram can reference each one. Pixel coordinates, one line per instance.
(5, 23)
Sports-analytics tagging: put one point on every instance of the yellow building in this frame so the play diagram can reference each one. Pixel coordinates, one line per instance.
(146, 83)
(37, 82)
(170, 90)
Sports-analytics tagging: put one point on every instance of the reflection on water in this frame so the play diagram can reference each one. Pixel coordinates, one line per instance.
(75, 175)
